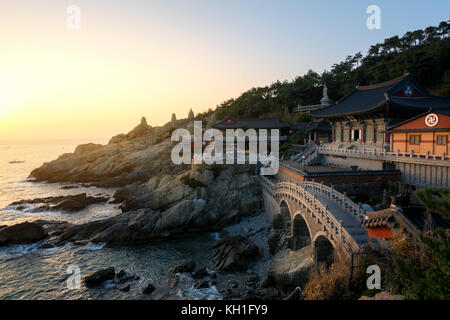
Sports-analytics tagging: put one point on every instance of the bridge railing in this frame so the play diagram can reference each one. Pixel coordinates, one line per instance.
(341, 198)
(319, 211)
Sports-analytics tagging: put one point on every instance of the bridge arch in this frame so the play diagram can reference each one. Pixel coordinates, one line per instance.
(286, 215)
(300, 232)
(324, 249)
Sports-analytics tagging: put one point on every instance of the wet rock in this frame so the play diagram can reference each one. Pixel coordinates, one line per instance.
(122, 276)
(252, 280)
(125, 287)
(183, 267)
(22, 233)
(68, 187)
(70, 203)
(201, 284)
(97, 277)
(147, 288)
(234, 253)
(173, 279)
(200, 273)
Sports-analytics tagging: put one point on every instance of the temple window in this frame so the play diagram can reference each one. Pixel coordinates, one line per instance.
(442, 140)
(415, 139)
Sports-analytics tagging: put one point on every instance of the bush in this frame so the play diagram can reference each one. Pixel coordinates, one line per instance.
(327, 284)
(422, 269)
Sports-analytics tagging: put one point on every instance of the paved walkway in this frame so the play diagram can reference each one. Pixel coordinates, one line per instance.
(350, 223)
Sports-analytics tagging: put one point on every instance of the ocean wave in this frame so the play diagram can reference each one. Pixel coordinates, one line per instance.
(211, 293)
(93, 246)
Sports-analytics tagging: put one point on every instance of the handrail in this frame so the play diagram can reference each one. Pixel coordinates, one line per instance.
(322, 213)
(375, 152)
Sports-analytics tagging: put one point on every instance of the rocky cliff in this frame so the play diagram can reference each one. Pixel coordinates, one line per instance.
(159, 199)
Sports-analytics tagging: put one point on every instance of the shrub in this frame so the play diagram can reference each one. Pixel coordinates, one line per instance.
(328, 284)
(422, 269)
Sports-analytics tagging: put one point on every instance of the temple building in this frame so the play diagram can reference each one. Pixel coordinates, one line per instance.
(426, 134)
(361, 118)
(318, 131)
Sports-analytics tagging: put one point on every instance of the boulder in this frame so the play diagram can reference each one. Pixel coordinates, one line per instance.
(184, 266)
(22, 233)
(147, 288)
(125, 287)
(201, 284)
(70, 203)
(290, 269)
(234, 254)
(200, 273)
(97, 277)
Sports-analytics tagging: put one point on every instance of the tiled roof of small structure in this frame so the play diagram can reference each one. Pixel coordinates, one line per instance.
(384, 218)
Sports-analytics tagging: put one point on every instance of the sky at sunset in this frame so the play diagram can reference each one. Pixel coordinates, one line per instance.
(152, 58)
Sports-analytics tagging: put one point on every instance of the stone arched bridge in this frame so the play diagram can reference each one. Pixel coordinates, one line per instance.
(318, 215)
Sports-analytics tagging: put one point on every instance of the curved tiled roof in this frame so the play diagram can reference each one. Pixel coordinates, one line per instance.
(365, 99)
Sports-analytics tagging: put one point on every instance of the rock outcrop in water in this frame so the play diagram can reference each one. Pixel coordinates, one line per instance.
(133, 157)
(70, 203)
(234, 254)
(22, 233)
(159, 199)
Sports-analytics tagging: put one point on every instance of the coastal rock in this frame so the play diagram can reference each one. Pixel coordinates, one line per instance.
(70, 203)
(289, 269)
(125, 287)
(234, 253)
(122, 276)
(86, 148)
(22, 233)
(147, 288)
(201, 284)
(200, 273)
(96, 278)
(135, 156)
(184, 266)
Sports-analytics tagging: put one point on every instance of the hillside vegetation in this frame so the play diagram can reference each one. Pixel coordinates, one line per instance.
(423, 53)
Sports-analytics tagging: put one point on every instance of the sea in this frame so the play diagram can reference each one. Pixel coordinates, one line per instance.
(28, 272)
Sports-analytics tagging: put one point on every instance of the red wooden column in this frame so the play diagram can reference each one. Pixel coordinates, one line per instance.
(374, 134)
(364, 134)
